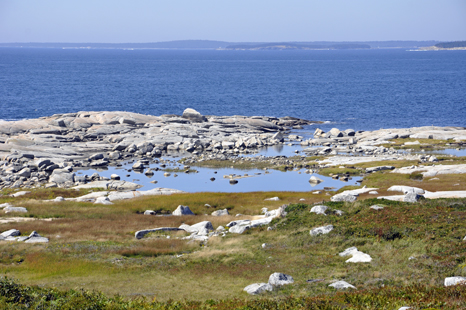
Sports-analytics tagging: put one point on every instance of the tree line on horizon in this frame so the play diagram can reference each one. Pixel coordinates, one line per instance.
(451, 44)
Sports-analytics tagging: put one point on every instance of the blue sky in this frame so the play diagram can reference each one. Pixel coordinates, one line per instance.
(115, 21)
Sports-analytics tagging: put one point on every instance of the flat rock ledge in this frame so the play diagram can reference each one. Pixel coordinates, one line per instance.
(47, 150)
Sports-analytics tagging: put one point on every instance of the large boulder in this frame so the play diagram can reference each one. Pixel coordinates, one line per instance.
(182, 210)
(61, 176)
(193, 116)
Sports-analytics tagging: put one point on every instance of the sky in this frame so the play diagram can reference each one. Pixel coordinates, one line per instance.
(124, 21)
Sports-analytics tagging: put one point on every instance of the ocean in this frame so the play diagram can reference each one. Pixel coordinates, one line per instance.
(358, 89)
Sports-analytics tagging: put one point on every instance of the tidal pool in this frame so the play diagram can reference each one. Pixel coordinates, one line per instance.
(256, 180)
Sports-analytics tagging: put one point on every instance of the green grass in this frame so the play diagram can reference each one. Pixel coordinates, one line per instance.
(93, 247)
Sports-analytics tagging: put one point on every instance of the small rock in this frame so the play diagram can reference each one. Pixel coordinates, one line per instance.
(321, 230)
(320, 209)
(138, 166)
(344, 197)
(182, 210)
(315, 180)
(258, 288)
(279, 279)
(149, 212)
(349, 251)
(34, 237)
(103, 201)
(455, 281)
(341, 285)
(359, 257)
(338, 212)
(220, 212)
(15, 209)
(376, 207)
(272, 199)
(21, 193)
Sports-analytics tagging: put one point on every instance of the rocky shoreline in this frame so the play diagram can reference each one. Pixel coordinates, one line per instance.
(47, 151)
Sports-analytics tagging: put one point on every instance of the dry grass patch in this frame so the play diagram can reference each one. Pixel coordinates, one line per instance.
(157, 247)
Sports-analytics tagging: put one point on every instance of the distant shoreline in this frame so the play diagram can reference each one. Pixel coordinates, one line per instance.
(223, 45)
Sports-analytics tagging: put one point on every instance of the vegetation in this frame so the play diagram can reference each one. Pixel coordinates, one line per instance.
(451, 44)
(18, 296)
(93, 260)
(427, 144)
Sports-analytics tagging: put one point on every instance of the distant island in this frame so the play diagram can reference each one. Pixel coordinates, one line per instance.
(294, 46)
(456, 45)
(223, 45)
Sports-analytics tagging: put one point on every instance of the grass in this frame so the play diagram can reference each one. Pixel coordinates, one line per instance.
(431, 144)
(92, 246)
(339, 171)
(18, 296)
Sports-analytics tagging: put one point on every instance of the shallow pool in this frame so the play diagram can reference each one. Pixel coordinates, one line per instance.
(257, 180)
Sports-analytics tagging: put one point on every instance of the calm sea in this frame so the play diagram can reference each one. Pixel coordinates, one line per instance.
(359, 89)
